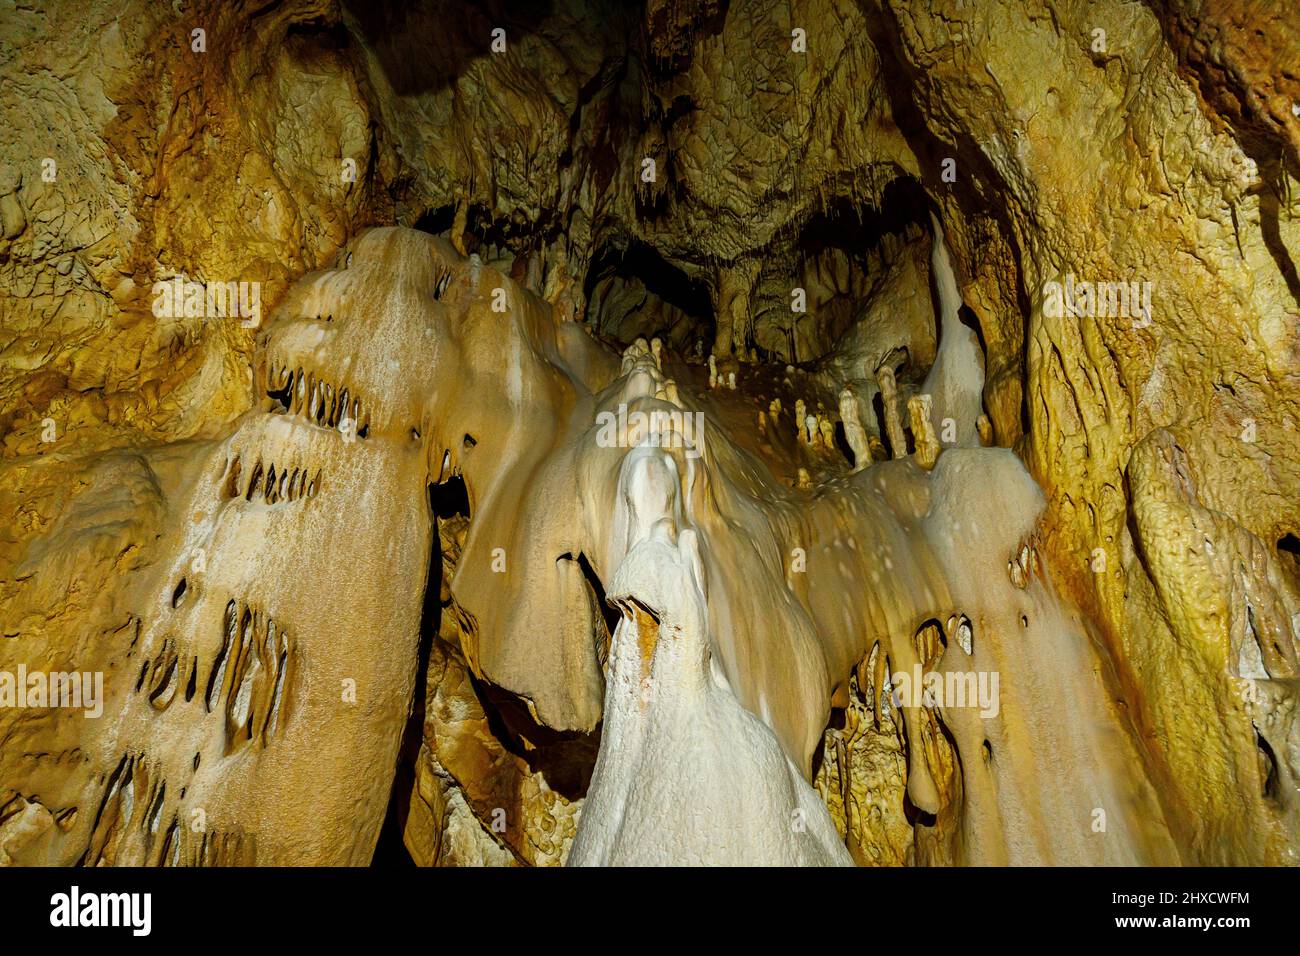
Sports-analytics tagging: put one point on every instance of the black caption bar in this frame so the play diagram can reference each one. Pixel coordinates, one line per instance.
(332, 907)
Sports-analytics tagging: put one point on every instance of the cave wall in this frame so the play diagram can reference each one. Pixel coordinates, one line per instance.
(1162, 150)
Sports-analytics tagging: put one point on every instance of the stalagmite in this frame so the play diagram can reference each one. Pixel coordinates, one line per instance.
(668, 705)
(854, 433)
(955, 383)
(459, 222)
(560, 287)
(713, 371)
(735, 284)
(927, 444)
(826, 429)
(635, 354)
(893, 421)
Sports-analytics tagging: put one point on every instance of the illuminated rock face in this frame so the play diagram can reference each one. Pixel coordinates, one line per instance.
(445, 535)
(682, 763)
(266, 616)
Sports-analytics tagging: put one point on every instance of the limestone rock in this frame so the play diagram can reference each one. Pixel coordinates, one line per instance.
(327, 334)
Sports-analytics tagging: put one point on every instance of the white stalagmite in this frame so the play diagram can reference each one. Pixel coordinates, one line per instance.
(686, 775)
(956, 380)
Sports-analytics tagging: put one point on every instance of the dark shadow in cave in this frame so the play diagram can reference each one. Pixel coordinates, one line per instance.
(842, 443)
(917, 817)
(969, 319)
(1288, 555)
(436, 221)
(1269, 224)
(882, 429)
(481, 230)
(1269, 787)
(318, 33)
(566, 758)
(423, 47)
(661, 279)
(855, 229)
(1289, 544)
(596, 592)
(445, 500)
(449, 499)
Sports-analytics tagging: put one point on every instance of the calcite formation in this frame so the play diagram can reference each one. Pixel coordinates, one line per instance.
(664, 433)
